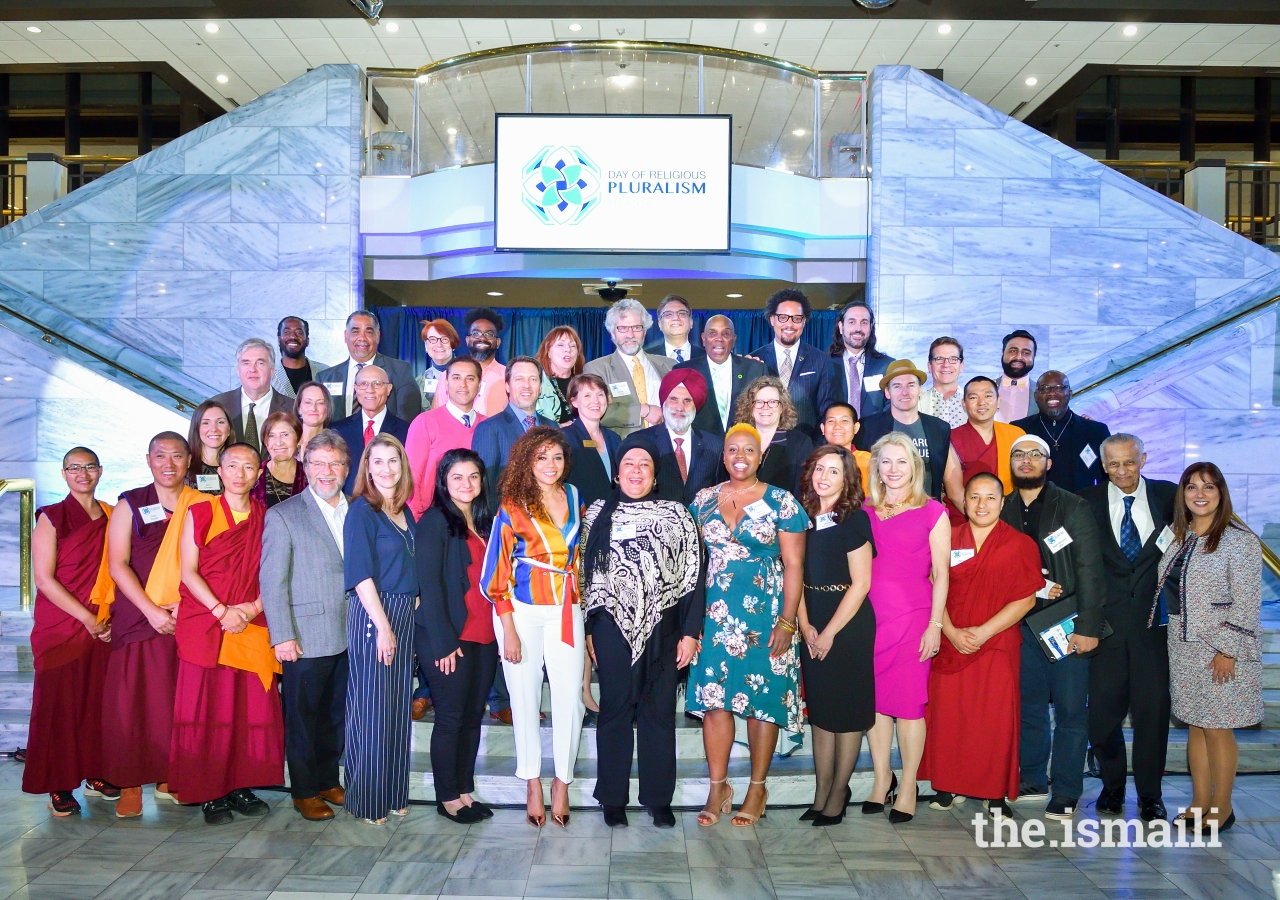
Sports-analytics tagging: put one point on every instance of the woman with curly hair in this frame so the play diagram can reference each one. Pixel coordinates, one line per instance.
(530, 578)
(561, 358)
(747, 665)
(767, 406)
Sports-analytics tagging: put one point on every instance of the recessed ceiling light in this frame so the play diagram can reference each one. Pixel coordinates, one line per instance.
(761, 28)
(393, 27)
(574, 26)
(799, 132)
(622, 82)
(223, 79)
(34, 29)
(1031, 81)
(944, 28)
(495, 293)
(451, 130)
(211, 27)
(1130, 30)
(733, 296)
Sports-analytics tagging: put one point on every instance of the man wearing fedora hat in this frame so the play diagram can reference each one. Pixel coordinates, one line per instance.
(901, 384)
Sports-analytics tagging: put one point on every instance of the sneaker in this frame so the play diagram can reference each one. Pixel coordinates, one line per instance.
(163, 793)
(130, 805)
(217, 812)
(63, 803)
(945, 800)
(998, 806)
(1060, 808)
(1032, 794)
(96, 787)
(246, 802)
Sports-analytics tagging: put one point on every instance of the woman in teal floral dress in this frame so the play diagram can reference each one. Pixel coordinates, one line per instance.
(747, 665)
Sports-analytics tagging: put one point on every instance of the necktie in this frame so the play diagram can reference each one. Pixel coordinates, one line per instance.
(680, 460)
(466, 420)
(1130, 543)
(368, 431)
(679, 356)
(637, 378)
(529, 422)
(351, 400)
(855, 386)
(784, 368)
(251, 429)
(722, 398)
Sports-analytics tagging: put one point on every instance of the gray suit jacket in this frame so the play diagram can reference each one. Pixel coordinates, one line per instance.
(230, 401)
(623, 414)
(406, 397)
(301, 579)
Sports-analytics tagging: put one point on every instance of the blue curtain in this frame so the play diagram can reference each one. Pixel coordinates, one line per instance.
(525, 328)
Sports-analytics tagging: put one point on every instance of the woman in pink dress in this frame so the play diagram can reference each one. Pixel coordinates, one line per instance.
(908, 593)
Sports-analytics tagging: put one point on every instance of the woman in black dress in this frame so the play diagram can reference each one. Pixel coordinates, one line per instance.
(838, 626)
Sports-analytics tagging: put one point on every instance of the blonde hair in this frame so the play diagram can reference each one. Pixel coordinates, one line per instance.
(742, 427)
(876, 489)
(364, 486)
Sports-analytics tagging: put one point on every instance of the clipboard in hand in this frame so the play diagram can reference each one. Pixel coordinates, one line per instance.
(1054, 625)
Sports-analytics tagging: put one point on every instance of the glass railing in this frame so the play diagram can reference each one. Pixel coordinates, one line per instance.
(785, 116)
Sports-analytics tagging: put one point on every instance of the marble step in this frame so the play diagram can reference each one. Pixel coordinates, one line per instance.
(15, 622)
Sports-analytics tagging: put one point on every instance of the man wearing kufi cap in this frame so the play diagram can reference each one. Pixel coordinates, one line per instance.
(690, 459)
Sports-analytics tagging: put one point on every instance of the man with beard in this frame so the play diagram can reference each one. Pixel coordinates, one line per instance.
(1064, 528)
(496, 436)
(859, 365)
(1018, 358)
(805, 371)
(484, 329)
(294, 369)
(1076, 441)
(688, 459)
(362, 334)
(633, 376)
(725, 373)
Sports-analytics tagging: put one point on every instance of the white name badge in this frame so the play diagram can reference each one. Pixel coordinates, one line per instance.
(334, 387)
(1165, 539)
(959, 556)
(623, 532)
(824, 520)
(1088, 456)
(871, 382)
(155, 512)
(1043, 593)
(758, 510)
(1057, 540)
(208, 483)
(429, 385)
(620, 389)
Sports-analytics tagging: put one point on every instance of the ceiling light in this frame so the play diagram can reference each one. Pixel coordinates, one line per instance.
(451, 130)
(223, 79)
(733, 296)
(1031, 81)
(34, 29)
(944, 28)
(1130, 30)
(799, 132)
(761, 28)
(393, 27)
(211, 27)
(574, 26)
(495, 293)
(622, 82)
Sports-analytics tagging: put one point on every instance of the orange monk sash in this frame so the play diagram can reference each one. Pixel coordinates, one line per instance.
(250, 650)
(104, 589)
(1005, 437)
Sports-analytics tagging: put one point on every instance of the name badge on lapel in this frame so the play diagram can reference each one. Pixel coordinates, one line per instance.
(334, 387)
(429, 385)
(620, 389)
(591, 444)
(1057, 540)
(871, 383)
(959, 556)
(209, 482)
(1165, 539)
(623, 532)
(155, 512)
(1088, 456)
(824, 520)
(758, 510)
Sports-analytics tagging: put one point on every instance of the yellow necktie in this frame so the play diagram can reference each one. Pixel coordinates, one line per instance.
(637, 376)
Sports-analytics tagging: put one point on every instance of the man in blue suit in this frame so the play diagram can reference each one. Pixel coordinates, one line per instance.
(689, 459)
(372, 388)
(675, 323)
(496, 435)
(807, 371)
(853, 347)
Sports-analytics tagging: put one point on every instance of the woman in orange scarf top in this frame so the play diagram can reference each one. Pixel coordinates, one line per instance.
(228, 731)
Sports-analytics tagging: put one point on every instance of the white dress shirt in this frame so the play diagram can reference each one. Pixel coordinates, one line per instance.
(670, 350)
(1141, 510)
(261, 409)
(334, 516)
(378, 418)
(458, 413)
(686, 445)
(722, 388)
(349, 390)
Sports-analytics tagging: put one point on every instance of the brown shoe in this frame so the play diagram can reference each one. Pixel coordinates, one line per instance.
(313, 809)
(502, 715)
(420, 707)
(335, 795)
(130, 804)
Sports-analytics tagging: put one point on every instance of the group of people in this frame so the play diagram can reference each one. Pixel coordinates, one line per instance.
(796, 535)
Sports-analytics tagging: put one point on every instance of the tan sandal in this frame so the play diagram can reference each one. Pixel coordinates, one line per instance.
(747, 819)
(712, 816)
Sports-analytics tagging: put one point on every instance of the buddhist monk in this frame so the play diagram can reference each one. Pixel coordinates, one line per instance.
(982, 444)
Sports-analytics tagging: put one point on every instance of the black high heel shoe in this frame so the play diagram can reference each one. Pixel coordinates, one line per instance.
(810, 814)
(870, 808)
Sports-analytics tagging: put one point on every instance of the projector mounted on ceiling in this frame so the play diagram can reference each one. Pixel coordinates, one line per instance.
(875, 4)
(370, 9)
(611, 291)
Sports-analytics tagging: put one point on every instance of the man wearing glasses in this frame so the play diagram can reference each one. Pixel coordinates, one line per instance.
(484, 336)
(806, 371)
(632, 376)
(371, 418)
(675, 322)
(1076, 441)
(943, 399)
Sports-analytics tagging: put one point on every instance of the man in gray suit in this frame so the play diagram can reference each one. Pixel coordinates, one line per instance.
(361, 336)
(254, 400)
(301, 579)
(631, 375)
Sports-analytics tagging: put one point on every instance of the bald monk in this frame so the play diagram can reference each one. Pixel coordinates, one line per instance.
(228, 731)
(69, 642)
(982, 444)
(137, 696)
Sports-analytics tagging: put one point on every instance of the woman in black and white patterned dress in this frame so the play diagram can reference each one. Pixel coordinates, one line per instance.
(642, 598)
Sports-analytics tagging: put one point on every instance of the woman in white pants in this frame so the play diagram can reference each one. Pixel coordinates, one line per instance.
(529, 576)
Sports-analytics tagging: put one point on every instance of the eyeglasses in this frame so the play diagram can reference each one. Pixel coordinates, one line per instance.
(437, 339)
(372, 385)
(1052, 389)
(675, 314)
(770, 404)
(77, 468)
(1033, 455)
(783, 319)
(629, 329)
(489, 335)
(949, 360)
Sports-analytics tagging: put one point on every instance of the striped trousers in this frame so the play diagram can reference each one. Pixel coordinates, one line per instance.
(378, 721)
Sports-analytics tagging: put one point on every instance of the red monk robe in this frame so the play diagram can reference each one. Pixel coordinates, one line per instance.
(228, 731)
(973, 718)
(64, 746)
(976, 455)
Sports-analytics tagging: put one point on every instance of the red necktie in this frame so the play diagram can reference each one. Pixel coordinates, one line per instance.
(368, 431)
(680, 460)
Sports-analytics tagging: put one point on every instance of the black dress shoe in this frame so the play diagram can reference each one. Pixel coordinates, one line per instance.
(663, 817)
(1225, 825)
(615, 816)
(810, 814)
(1152, 808)
(246, 802)
(464, 816)
(870, 808)
(898, 817)
(481, 810)
(822, 820)
(217, 812)
(1110, 801)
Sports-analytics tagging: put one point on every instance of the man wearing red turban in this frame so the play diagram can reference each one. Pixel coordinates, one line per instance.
(691, 459)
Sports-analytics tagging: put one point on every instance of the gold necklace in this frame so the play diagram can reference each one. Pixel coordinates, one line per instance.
(739, 491)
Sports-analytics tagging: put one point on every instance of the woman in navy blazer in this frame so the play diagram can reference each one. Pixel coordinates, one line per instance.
(454, 636)
(590, 398)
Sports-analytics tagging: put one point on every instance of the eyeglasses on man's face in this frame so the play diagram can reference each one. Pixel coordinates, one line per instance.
(487, 335)
(77, 468)
(783, 319)
(1033, 455)
(947, 360)
(629, 329)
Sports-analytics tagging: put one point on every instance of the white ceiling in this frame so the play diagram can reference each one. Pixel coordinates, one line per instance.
(989, 60)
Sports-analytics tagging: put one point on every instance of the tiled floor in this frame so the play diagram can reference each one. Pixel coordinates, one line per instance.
(170, 854)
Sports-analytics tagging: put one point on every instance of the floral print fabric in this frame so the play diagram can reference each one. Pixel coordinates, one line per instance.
(734, 669)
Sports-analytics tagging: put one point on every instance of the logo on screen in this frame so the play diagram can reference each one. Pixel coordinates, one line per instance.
(561, 185)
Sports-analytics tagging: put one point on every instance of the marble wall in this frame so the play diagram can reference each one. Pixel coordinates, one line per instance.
(981, 224)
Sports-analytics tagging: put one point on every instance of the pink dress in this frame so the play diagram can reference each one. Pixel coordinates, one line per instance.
(901, 595)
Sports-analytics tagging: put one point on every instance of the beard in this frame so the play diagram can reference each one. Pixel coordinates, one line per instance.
(1029, 483)
(679, 422)
(482, 355)
(298, 354)
(1015, 368)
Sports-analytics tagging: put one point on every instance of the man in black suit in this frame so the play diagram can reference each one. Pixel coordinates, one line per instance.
(496, 435)
(372, 388)
(675, 322)
(362, 334)
(853, 347)
(1076, 441)
(807, 372)
(249, 404)
(725, 373)
(900, 385)
(689, 459)
(1130, 674)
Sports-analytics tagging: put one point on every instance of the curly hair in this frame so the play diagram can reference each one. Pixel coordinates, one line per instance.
(518, 485)
(851, 495)
(742, 409)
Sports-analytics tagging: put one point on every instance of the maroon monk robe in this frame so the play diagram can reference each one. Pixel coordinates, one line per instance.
(137, 696)
(228, 732)
(975, 456)
(64, 746)
(973, 718)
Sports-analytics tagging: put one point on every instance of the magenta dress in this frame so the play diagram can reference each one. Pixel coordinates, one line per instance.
(902, 595)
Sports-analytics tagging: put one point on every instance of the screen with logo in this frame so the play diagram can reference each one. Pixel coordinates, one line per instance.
(639, 184)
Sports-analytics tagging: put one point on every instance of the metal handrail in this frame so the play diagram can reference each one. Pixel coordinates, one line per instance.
(78, 158)
(25, 488)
